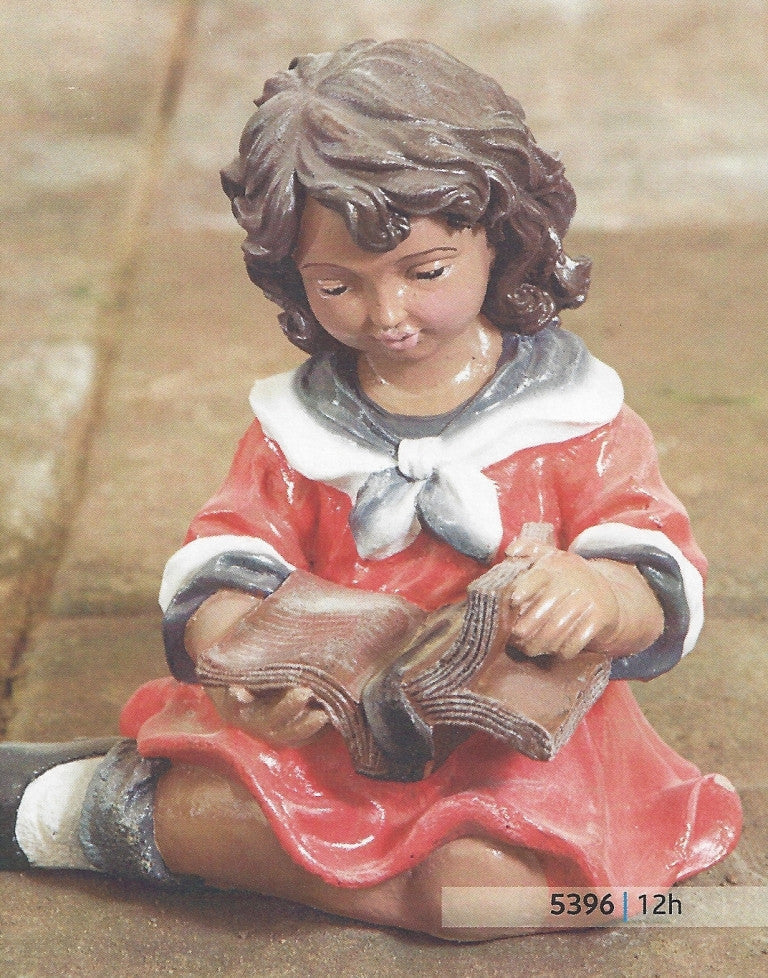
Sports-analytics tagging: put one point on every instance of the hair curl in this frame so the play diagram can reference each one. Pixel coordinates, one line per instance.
(381, 132)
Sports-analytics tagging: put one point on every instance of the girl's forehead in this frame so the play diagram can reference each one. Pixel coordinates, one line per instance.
(322, 234)
(325, 240)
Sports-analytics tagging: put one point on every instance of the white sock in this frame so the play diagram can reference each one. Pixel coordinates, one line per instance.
(48, 818)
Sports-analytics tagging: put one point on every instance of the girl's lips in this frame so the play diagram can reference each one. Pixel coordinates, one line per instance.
(399, 340)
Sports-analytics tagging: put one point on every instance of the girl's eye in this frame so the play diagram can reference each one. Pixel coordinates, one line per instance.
(332, 289)
(431, 273)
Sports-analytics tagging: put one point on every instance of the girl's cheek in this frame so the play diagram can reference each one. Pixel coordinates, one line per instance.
(332, 319)
(447, 309)
(340, 329)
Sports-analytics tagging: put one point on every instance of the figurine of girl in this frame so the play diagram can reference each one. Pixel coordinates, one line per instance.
(400, 213)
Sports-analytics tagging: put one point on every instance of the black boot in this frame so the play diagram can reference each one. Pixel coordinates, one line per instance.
(20, 764)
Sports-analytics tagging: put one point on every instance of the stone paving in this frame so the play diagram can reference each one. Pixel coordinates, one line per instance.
(130, 337)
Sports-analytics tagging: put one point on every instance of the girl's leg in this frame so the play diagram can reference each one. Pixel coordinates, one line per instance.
(211, 827)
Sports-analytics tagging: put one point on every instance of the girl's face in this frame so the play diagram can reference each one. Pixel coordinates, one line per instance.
(410, 303)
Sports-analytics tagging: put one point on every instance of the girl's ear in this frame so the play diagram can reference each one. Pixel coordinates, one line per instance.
(493, 250)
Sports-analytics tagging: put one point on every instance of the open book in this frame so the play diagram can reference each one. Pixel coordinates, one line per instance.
(404, 686)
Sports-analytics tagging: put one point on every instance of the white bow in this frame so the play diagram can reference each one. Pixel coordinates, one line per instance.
(427, 488)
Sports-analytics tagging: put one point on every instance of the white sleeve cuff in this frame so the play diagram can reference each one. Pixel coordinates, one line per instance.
(185, 563)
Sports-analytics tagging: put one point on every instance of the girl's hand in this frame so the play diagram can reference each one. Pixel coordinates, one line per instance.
(283, 717)
(564, 604)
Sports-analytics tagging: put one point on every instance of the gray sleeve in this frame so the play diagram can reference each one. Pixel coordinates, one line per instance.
(662, 573)
(251, 573)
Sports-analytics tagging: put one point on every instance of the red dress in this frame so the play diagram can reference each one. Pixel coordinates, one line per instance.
(615, 807)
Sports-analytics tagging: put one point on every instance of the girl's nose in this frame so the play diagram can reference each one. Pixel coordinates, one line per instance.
(387, 306)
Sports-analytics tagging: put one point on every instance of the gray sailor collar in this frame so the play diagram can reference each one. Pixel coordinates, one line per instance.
(549, 390)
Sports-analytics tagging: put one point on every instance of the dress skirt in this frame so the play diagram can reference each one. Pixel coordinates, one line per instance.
(615, 807)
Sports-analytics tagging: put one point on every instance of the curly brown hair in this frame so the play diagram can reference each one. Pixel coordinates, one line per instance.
(381, 132)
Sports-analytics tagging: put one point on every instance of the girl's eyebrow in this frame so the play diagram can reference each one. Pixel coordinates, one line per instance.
(416, 256)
